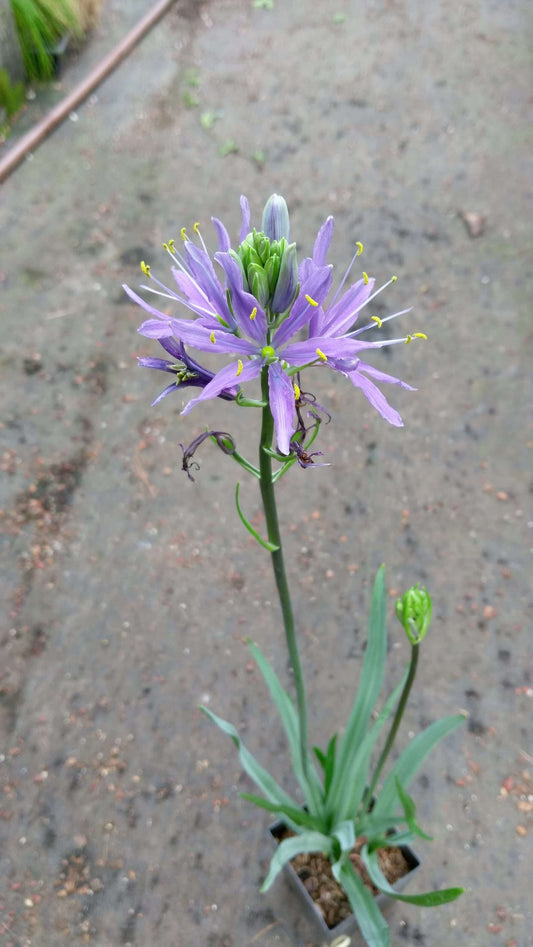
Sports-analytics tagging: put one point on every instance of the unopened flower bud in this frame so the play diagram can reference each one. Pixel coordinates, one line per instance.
(287, 281)
(275, 223)
(413, 611)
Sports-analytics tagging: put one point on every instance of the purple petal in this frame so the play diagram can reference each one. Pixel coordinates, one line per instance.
(166, 391)
(298, 353)
(174, 347)
(341, 316)
(143, 304)
(281, 398)
(376, 398)
(243, 303)
(163, 364)
(317, 287)
(322, 242)
(202, 270)
(245, 208)
(197, 335)
(226, 378)
(382, 376)
(224, 242)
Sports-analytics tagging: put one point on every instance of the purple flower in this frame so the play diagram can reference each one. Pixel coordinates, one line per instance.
(187, 373)
(236, 313)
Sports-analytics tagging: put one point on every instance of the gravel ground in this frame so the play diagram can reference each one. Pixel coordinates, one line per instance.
(127, 591)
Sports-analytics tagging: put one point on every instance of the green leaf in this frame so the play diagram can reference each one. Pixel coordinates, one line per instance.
(290, 847)
(411, 759)
(267, 784)
(357, 771)
(311, 787)
(429, 899)
(270, 547)
(370, 684)
(409, 809)
(294, 815)
(373, 925)
(345, 833)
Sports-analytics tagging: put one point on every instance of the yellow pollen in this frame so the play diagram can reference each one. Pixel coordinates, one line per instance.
(365, 277)
(321, 355)
(145, 268)
(239, 368)
(297, 392)
(166, 247)
(253, 313)
(359, 246)
(393, 279)
(408, 339)
(183, 233)
(212, 338)
(196, 227)
(377, 320)
(171, 246)
(420, 335)
(311, 301)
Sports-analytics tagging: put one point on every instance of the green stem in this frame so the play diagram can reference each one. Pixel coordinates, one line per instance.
(271, 516)
(394, 729)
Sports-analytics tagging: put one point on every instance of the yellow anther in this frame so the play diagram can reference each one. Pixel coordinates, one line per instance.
(166, 247)
(359, 246)
(212, 338)
(171, 246)
(183, 233)
(239, 368)
(196, 227)
(321, 355)
(145, 268)
(420, 335)
(311, 301)
(377, 320)
(393, 279)
(253, 313)
(297, 392)
(366, 279)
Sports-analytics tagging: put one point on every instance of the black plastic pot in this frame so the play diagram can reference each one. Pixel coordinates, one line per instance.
(345, 934)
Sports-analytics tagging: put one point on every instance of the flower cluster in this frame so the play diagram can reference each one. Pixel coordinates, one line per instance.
(254, 307)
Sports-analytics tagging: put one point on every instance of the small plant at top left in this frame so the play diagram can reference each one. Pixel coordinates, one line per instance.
(40, 25)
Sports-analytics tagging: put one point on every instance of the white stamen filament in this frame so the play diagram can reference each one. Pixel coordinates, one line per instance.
(372, 325)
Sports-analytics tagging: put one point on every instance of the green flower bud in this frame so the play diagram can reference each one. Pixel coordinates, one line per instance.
(413, 611)
(287, 281)
(258, 283)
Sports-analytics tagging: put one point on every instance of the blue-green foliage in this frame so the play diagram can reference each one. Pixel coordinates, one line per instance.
(337, 809)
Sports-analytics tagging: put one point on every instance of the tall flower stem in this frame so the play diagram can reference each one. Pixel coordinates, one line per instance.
(274, 536)
(394, 729)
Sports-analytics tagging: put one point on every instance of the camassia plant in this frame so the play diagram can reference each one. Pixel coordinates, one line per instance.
(273, 317)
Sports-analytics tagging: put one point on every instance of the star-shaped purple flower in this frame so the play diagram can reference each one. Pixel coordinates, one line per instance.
(255, 308)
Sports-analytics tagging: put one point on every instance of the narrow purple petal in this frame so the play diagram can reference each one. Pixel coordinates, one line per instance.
(245, 208)
(322, 242)
(341, 316)
(376, 398)
(224, 242)
(382, 376)
(143, 304)
(166, 391)
(163, 364)
(197, 335)
(299, 353)
(281, 398)
(226, 378)
(317, 288)
(243, 303)
(202, 269)
(174, 347)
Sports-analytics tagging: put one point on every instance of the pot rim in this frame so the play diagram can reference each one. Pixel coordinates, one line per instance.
(414, 861)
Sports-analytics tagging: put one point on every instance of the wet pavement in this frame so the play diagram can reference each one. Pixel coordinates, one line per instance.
(128, 592)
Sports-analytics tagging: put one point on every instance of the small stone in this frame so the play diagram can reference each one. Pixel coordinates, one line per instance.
(474, 223)
(521, 830)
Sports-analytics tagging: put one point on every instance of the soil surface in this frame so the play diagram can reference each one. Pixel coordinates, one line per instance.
(128, 592)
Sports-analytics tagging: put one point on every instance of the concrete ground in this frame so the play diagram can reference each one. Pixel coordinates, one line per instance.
(128, 592)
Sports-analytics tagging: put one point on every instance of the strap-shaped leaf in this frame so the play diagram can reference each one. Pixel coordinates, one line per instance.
(267, 784)
(311, 786)
(345, 833)
(294, 817)
(357, 771)
(429, 899)
(411, 759)
(290, 847)
(373, 925)
(409, 810)
(370, 684)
